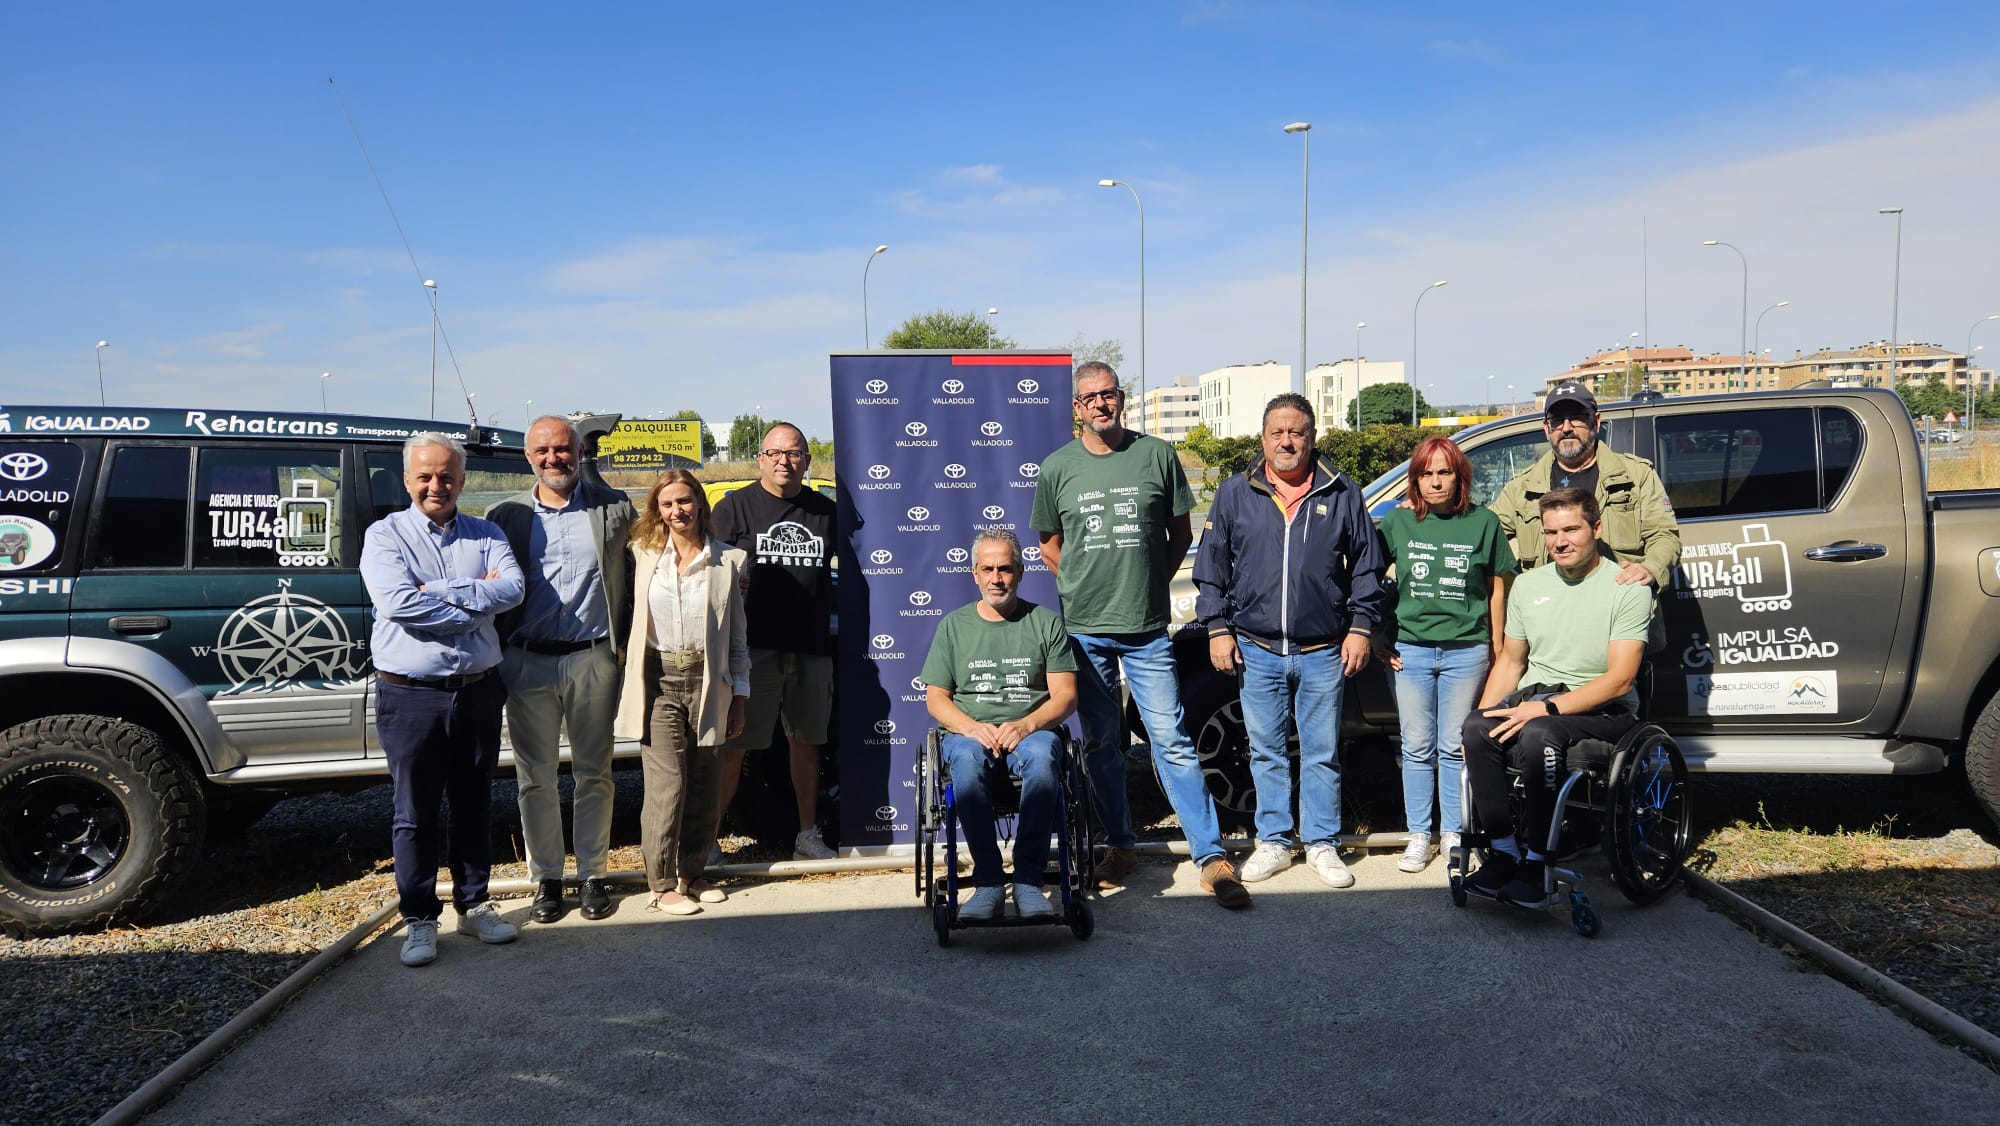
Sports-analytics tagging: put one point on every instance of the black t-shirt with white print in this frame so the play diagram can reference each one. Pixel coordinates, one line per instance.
(791, 549)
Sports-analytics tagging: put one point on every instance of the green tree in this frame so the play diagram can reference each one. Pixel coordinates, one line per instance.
(1083, 351)
(822, 455)
(1931, 397)
(707, 435)
(1220, 457)
(1385, 403)
(941, 328)
(1368, 453)
(744, 435)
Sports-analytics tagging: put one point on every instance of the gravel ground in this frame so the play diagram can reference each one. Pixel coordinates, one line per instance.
(86, 1019)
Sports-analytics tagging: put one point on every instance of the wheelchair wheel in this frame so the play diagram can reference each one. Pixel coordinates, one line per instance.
(930, 817)
(1457, 890)
(941, 921)
(1079, 819)
(1081, 922)
(1647, 818)
(1581, 915)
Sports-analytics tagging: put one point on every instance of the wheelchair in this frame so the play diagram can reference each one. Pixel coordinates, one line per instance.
(1073, 862)
(1633, 792)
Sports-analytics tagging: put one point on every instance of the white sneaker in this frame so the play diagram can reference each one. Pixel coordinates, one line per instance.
(1447, 843)
(420, 946)
(983, 904)
(1417, 855)
(1325, 860)
(1269, 859)
(1030, 903)
(485, 924)
(811, 846)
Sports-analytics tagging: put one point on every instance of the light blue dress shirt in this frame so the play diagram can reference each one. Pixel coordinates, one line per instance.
(565, 599)
(434, 607)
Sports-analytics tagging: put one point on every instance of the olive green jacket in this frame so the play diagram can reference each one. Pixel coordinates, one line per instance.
(1638, 518)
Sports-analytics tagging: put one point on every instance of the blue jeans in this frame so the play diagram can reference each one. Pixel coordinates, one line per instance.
(1305, 687)
(1033, 761)
(1148, 660)
(1435, 691)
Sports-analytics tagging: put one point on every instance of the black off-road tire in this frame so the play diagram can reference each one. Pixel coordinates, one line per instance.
(99, 822)
(1982, 759)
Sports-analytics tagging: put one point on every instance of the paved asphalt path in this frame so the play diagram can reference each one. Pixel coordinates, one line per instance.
(828, 1000)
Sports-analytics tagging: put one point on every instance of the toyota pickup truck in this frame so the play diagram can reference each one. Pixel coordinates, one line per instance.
(1829, 614)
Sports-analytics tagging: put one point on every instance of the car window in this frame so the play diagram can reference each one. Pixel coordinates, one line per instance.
(37, 495)
(1746, 462)
(259, 507)
(144, 521)
(1496, 463)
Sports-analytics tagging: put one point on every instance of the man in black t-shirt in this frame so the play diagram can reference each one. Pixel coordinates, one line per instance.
(788, 531)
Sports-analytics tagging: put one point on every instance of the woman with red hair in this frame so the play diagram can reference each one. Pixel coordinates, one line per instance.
(1450, 601)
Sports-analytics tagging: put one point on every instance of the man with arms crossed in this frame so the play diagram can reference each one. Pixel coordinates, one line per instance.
(438, 578)
(1112, 509)
(1288, 584)
(787, 530)
(561, 660)
(1574, 638)
(999, 679)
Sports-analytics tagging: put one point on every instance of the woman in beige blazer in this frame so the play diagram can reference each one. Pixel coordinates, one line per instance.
(687, 677)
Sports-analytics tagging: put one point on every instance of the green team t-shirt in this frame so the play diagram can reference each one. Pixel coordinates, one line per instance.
(1444, 571)
(1569, 626)
(998, 672)
(1112, 511)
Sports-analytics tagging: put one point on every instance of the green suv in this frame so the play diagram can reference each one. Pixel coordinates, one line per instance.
(184, 633)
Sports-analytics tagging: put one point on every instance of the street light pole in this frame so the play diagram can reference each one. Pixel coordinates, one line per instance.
(1413, 346)
(101, 346)
(1743, 337)
(323, 377)
(433, 287)
(1896, 295)
(1971, 407)
(1305, 198)
(865, 338)
(1357, 376)
(1757, 341)
(1142, 294)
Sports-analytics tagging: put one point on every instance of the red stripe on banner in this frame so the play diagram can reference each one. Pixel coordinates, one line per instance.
(1010, 361)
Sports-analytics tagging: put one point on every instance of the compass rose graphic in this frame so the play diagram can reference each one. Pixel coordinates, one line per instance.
(284, 637)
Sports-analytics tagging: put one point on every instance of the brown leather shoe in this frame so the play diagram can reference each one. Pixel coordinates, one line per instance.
(1219, 878)
(1114, 866)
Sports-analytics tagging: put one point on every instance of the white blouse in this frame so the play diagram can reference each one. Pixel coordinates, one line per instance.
(678, 603)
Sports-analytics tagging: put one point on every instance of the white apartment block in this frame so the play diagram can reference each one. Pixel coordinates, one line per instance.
(1331, 387)
(1233, 398)
(1169, 412)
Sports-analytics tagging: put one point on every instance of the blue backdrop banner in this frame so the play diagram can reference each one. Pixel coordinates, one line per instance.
(933, 447)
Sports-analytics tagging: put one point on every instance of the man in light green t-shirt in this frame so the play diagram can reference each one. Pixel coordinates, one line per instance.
(1574, 639)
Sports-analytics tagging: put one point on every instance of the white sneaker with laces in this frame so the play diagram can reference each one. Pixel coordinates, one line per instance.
(1416, 855)
(420, 946)
(485, 924)
(1332, 870)
(1030, 903)
(1267, 860)
(811, 846)
(1448, 842)
(983, 904)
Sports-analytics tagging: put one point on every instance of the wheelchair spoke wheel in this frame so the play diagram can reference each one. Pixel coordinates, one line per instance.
(1081, 820)
(1649, 819)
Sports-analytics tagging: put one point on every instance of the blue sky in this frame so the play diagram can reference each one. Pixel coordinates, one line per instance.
(658, 207)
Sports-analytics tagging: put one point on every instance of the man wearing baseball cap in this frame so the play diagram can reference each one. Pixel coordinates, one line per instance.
(1639, 525)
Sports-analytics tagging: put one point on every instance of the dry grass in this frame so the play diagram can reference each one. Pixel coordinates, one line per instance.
(1958, 468)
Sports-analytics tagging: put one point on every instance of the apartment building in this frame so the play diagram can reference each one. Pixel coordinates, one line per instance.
(1331, 387)
(1232, 399)
(1169, 412)
(1616, 373)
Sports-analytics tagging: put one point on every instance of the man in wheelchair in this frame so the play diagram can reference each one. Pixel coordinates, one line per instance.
(1574, 640)
(1000, 678)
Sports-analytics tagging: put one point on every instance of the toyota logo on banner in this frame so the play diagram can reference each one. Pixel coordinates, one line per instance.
(23, 466)
(881, 557)
(920, 598)
(1030, 469)
(879, 472)
(993, 512)
(915, 429)
(1031, 554)
(918, 514)
(1027, 387)
(954, 386)
(885, 813)
(877, 386)
(991, 429)
(957, 555)
(882, 641)
(917, 683)
(954, 471)
(885, 727)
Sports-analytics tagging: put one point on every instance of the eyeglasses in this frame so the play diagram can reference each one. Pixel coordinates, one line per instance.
(787, 455)
(1095, 397)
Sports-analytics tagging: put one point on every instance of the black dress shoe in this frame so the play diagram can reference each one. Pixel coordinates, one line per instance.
(548, 904)
(596, 901)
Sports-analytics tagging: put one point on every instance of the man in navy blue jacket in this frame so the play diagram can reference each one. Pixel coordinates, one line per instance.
(1288, 582)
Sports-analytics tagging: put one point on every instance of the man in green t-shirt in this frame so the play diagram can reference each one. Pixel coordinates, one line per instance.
(1574, 639)
(1112, 509)
(1000, 679)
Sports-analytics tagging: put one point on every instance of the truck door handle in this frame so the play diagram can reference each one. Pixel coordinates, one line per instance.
(1846, 551)
(140, 624)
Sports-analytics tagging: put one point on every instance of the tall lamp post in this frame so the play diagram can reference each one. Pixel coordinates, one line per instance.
(1357, 376)
(1413, 345)
(1757, 338)
(1970, 405)
(323, 377)
(1142, 293)
(1305, 197)
(433, 287)
(1743, 337)
(1895, 293)
(527, 414)
(865, 337)
(101, 346)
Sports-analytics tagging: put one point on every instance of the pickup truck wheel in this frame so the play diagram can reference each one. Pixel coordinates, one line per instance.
(1214, 718)
(1982, 759)
(98, 821)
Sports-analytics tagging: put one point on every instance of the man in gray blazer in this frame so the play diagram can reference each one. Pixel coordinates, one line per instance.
(561, 663)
